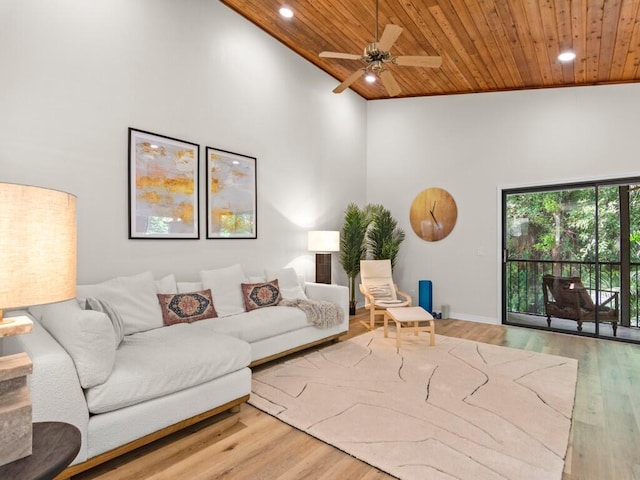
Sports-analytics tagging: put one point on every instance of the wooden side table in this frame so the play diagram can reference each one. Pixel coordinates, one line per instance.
(411, 316)
(55, 445)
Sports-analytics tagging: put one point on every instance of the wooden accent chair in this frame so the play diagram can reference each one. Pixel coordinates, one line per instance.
(566, 297)
(379, 290)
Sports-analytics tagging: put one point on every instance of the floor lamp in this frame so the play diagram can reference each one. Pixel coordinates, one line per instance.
(323, 242)
(37, 265)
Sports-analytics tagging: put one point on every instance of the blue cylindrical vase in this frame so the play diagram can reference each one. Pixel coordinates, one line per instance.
(425, 295)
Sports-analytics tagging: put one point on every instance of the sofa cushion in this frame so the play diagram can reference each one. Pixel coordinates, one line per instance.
(106, 308)
(258, 324)
(86, 335)
(186, 307)
(260, 295)
(158, 362)
(134, 298)
(225, 289)
(288, 282)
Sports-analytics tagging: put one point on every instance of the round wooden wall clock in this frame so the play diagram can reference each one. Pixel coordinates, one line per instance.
(433, 214)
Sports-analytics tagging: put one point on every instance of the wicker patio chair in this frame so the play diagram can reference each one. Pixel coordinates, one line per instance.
(566, 297)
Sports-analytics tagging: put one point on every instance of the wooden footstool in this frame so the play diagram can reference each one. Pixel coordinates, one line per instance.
(405, 317)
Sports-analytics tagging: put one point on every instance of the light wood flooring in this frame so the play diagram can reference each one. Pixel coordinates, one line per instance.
(604, 442)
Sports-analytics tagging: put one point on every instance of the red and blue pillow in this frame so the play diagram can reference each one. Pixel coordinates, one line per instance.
(186, 307)
(260, 295)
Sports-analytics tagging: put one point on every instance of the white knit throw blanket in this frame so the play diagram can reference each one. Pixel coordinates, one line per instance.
(320, 313)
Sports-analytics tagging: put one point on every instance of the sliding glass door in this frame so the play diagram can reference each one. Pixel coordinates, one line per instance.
(570, 258)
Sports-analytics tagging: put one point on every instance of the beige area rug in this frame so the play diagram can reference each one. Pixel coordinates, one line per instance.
(459, 410)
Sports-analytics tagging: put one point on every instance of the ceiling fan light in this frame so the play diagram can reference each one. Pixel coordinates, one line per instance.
(286, 12)
(567, 56)
(370, 78)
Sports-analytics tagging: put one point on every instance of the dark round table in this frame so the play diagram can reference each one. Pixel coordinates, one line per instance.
(55, 445)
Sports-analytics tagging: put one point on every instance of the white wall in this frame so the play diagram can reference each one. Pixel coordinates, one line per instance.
(76, 74)
(476, 145)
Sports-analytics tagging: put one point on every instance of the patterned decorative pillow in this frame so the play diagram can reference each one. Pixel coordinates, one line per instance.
(259, 295)
(186, 307)
(381, 292)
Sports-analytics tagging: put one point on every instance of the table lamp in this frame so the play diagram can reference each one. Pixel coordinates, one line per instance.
(323, 242)
(37, 265)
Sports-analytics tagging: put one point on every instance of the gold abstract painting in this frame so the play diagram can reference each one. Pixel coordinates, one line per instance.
(231, 195)
(163, 186)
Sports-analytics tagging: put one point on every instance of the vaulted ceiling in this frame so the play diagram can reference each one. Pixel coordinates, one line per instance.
(485, 45)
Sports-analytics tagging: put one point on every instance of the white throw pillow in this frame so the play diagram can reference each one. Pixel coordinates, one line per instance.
(189, 287)
(167, 284)
(86, 335)
(226, 289)
(380, 291)
(134, 298)
(115, 317)
(288, 282)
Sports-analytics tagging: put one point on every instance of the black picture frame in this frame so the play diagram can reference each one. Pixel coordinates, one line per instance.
(231, 200)
(163, 187)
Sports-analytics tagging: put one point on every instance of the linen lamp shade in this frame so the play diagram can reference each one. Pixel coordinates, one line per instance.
(323, 242)
(37, 246)
(37, 265)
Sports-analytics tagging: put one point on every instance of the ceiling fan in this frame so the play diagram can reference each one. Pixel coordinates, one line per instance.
(377, 56)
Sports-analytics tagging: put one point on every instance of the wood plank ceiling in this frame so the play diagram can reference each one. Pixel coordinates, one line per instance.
(486, 45)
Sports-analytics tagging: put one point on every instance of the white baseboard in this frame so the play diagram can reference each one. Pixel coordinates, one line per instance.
(475, 318)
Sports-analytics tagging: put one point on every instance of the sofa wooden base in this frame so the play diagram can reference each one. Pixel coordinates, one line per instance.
(226, 421)
(332, 338)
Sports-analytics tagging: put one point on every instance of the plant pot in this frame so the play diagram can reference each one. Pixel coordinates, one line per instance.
(352, 307)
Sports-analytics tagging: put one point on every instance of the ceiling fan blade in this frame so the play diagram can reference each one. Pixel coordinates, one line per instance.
(418, 61)
(352, 78)
(347, 56)
(389, 37)
(389, 83)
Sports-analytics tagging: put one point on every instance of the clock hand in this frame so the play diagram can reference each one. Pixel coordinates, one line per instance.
(434, 219)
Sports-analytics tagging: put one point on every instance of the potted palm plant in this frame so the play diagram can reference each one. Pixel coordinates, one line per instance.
(353, 248)
(383, 237)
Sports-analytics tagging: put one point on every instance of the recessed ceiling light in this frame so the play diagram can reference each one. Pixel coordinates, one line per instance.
(370, 78)
(567, 56)
(286, 12)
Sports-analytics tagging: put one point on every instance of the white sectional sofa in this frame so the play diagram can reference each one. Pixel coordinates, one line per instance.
(125, 375)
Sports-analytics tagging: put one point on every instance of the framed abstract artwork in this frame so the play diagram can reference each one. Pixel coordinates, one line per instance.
(163, 187)
(231, 195)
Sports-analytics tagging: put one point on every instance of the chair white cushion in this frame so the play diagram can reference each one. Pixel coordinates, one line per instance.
(377, 280)
(134, 298)
(391, 304)
(288, 282)
(225, 284)
(86, 335)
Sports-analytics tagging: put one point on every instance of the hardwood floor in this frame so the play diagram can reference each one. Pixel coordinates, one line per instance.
(603, 445)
